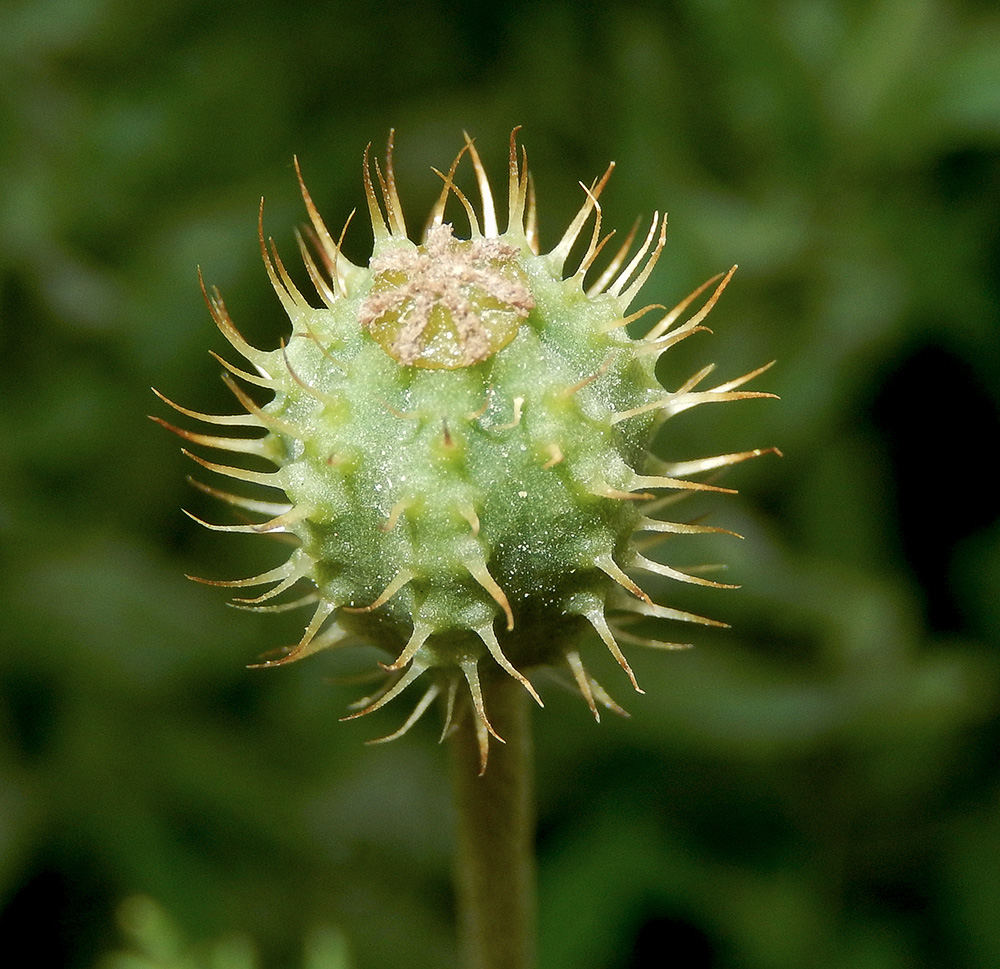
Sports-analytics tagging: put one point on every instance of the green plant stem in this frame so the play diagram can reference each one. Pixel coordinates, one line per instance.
(495, 864)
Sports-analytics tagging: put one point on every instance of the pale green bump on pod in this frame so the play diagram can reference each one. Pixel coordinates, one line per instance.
(459, 434)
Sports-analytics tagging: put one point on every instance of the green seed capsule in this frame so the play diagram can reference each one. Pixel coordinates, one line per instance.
(459, 435)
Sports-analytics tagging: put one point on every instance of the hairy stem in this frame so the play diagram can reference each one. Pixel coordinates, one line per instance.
(495, 865)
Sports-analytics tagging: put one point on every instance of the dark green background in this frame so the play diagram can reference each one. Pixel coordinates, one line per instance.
(816, 787)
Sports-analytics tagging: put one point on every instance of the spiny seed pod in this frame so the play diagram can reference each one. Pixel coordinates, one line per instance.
(460, 435)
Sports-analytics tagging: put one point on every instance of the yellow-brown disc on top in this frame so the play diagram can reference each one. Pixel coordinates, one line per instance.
(448, 303)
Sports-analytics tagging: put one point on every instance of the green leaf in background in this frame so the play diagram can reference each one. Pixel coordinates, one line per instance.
(156, 943)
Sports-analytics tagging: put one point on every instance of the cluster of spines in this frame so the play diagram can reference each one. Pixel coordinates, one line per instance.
(334, 278)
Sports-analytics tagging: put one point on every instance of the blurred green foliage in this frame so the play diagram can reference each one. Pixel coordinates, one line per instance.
(157, 943)
(816, 787)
